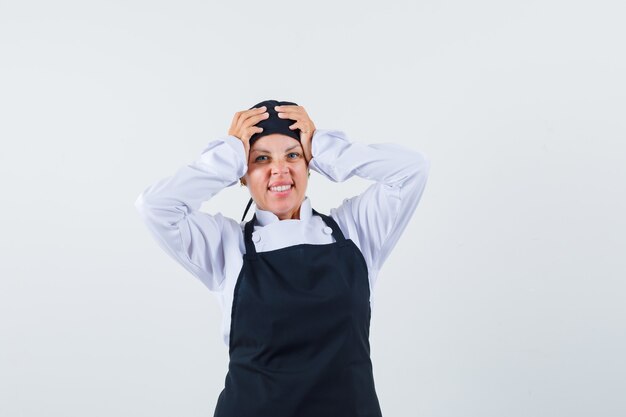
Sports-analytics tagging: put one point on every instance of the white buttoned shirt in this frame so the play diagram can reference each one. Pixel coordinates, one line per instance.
(211, 246)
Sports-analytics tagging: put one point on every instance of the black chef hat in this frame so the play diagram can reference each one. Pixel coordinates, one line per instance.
(272, 124)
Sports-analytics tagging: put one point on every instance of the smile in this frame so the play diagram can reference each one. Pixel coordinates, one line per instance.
(280, 190)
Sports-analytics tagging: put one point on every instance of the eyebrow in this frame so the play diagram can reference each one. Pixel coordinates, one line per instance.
(266, 151)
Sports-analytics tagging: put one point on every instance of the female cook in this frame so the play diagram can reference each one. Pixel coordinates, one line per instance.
(295, 285)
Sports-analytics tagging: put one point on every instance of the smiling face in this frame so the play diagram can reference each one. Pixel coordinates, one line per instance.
(277, 160)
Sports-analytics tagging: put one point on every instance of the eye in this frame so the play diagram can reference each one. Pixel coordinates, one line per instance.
(294, 153)
(262, 156)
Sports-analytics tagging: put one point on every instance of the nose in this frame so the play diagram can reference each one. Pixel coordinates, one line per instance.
(279, 167)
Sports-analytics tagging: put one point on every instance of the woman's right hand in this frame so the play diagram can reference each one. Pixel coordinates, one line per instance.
(243, 125)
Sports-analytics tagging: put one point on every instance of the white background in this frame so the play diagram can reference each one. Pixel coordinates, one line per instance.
(504, 297)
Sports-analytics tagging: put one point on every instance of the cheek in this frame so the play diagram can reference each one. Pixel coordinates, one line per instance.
(255, 181)
(302, 180)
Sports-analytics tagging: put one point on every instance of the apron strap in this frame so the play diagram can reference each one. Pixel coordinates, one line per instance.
(247, 208)
(247, 238)
(337, 233)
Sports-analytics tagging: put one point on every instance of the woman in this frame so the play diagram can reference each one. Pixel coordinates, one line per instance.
(295, 285)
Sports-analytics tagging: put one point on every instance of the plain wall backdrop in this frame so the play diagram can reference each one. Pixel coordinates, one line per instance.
(504, 297)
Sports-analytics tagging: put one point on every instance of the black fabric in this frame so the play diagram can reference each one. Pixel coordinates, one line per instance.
(299, 334)
(247, 208)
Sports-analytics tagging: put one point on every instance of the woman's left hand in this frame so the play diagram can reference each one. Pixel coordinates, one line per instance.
(303, 122)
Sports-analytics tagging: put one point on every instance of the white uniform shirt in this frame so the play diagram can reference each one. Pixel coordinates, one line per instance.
(211, 246)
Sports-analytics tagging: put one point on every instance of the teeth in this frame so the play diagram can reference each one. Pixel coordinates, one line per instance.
(281, 188)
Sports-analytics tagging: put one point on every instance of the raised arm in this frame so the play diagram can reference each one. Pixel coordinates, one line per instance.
(170, 209)
(376, 218)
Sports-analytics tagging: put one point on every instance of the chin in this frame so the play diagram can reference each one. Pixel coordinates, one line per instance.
(282, 209)
(278, 209)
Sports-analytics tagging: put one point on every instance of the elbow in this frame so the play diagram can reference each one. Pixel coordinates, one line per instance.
(139, 203)
(153, 210)
(417, 171)
(420, 164)
(142, 205)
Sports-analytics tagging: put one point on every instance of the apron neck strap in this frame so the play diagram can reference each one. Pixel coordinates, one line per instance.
(247, 238)
(330, 222)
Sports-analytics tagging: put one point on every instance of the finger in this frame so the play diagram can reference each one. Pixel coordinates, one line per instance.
(254, 112)
(293, 115)
(243, 115)
(251, 120)
(253, 130)
(235, 120)
(291, 109)
(302, 124)
(255, 119)
(287, 107)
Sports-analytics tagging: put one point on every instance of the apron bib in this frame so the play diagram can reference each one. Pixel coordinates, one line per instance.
(299, 335)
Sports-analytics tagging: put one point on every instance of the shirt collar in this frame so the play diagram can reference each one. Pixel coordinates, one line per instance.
(264, 217)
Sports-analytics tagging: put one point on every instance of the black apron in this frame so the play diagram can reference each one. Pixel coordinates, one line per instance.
(299, 333)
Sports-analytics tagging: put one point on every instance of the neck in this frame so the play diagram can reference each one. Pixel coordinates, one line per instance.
(293, 215)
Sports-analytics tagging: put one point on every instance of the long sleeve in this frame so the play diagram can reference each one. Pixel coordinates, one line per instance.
(170, 209)
(376, 218)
